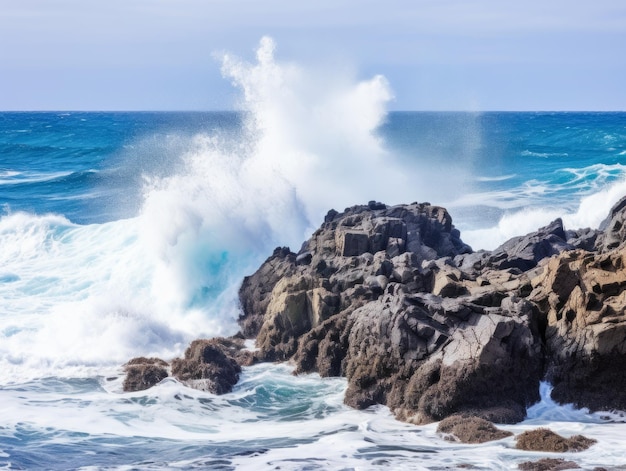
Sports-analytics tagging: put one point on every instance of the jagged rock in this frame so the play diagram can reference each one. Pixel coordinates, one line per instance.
(143, 373)
(543, 439)
(391, 298)
(527, 251)
(209, 365)
(256, 289)
(428, 357)
(613, 228)
(583, 296)
(351, 259)
(584, 239)
(469, 429)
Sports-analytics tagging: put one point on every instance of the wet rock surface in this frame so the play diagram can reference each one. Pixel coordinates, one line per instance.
(392, 299)
(211, 365)
(543, 439)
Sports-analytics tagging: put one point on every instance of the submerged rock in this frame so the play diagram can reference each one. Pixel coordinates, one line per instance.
(548, 464)
(209, 365)
(143, 373)
(469, 429)
(543, 439)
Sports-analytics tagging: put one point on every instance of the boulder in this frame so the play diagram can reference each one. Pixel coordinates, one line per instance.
(470, 429)
(209, 365)
(143, 373)
(543, 439)
(527, 251)
(428, 358)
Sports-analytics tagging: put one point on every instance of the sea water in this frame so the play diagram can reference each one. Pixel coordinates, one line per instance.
(127, 234)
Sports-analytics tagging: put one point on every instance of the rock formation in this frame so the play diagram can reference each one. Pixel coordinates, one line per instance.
(548, 464)
(211, 365)
(392, 299)
(143, 373)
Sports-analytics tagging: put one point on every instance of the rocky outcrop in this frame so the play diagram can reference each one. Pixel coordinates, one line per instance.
(143, 373)
(348, 262)
(392, 299)
(380, 298)
(584, 297)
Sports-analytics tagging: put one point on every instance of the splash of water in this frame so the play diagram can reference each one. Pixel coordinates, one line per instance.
(100, 294)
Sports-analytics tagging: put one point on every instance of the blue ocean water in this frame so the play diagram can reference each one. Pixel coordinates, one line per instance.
(76, 191)
(126, 234)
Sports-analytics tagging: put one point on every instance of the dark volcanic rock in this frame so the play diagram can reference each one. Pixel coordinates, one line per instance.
(392, 299)
(527, 251)
(209, 365)
(613, 228)
(143, 373)
(255, 290)
(583, 296)
(349, 261)
(468, 429)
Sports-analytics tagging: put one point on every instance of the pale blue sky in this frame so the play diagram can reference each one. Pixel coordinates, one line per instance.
(437, 54)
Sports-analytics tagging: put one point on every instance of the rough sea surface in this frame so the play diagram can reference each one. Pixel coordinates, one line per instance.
(126, 234)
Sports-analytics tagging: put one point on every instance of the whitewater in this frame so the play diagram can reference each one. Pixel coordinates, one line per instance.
(128, 234)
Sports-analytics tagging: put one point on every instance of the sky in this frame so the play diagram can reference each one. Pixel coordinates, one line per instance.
(437, 55)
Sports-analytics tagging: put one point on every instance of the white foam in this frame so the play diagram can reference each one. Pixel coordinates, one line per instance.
(590, 211)
(17, 178)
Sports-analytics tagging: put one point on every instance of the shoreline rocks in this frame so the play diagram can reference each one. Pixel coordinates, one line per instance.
(392, 299)
(211, 365)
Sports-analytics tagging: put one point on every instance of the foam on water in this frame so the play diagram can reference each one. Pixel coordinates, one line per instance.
(529, 208)
(305, 425)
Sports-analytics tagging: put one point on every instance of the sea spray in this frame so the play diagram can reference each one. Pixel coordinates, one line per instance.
(148, 284)
(592, 208)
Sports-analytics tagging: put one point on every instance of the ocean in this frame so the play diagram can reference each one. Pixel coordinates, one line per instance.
(126, 234)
